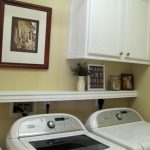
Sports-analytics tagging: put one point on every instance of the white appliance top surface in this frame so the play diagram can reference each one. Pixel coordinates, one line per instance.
(131, 132)
(134, 135)
(111, 146)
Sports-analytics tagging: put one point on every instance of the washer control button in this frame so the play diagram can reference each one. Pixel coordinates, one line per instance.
(51, 124)
(119, 116)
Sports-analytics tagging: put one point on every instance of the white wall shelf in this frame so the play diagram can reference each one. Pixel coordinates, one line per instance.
(39, 96)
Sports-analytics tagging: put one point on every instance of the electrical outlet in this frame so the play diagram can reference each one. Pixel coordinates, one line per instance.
(18, 108)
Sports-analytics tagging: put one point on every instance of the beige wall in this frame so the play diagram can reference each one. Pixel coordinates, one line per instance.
(58, 76)
(142, 80)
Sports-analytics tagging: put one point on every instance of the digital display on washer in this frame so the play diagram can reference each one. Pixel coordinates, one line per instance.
(60, 119)
(81, 142)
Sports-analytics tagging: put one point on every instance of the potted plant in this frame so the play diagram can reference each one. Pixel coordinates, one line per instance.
(81, 70)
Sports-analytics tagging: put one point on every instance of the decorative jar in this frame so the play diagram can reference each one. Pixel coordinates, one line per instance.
(114, 83)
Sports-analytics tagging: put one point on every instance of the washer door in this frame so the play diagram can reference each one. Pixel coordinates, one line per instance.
(80, 142)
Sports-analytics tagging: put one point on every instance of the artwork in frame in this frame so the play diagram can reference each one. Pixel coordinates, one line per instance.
(127, 82)
(25, 35)
(96, 79)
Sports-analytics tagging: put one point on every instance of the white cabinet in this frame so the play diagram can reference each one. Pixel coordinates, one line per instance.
(115, 30)
(105, 27)
(137, 30)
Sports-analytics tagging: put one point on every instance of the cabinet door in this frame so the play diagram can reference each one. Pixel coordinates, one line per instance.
(136, 39)
(105, 27)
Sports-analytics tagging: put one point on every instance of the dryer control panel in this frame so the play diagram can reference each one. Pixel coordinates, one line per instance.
(48, 124)
(111, 117)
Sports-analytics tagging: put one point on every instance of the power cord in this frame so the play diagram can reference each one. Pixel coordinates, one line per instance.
(47, 107)
(100, 103)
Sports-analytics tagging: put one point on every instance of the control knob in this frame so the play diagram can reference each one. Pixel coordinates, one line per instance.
(51, 124)
(119, 116)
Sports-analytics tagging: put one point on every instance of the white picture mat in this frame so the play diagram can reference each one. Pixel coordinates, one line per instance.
(88, 78)
(23, 57)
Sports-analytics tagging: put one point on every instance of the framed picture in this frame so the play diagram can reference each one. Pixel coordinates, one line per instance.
(127, 82)
(24, 35)
(96, 79)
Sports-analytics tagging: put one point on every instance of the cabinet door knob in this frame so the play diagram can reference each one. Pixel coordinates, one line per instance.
(121, 53)
(128, 54)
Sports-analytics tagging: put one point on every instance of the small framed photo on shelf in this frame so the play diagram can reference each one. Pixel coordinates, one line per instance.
(96, 79)
(127, 82)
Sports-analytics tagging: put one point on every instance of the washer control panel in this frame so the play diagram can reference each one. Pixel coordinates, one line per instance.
(44, 125)
(111, 117)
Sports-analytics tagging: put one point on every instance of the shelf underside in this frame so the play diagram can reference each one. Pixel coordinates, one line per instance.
(39, 96)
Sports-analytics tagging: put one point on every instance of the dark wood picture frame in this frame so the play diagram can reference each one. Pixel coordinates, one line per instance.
(96, 79)
(127, 82)
(24, 59)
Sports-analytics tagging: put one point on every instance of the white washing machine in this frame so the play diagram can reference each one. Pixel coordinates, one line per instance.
(122, 126)
(54, 132)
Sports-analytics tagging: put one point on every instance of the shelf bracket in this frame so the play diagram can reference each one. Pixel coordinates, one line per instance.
(100, 103)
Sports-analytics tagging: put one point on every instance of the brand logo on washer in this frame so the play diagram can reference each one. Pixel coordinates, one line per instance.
(31, 126)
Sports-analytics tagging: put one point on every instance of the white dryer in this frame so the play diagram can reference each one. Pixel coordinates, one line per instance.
(54, 132)
(122, 126)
